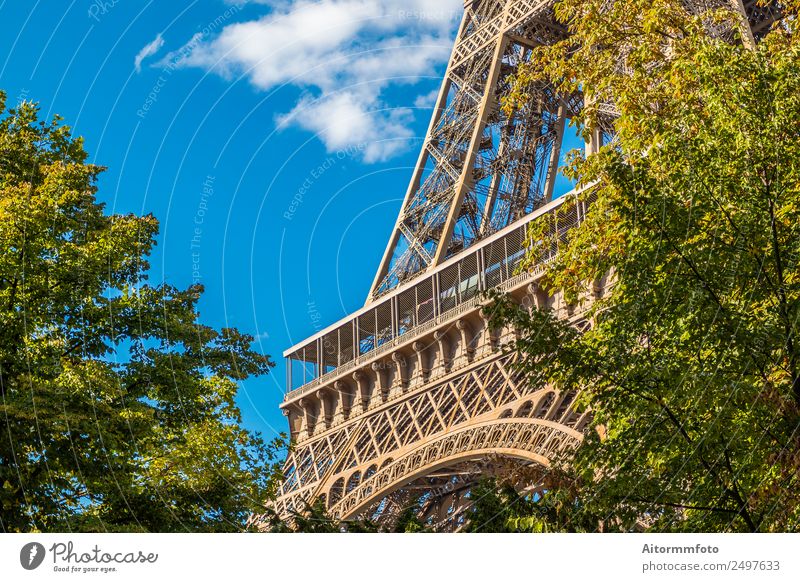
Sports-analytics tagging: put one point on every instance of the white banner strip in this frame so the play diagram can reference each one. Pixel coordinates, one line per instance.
(424, 557)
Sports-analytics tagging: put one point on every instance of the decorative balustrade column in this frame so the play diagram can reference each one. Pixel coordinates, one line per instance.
(444, 361)
(343, 401)
(489, 338)
(538, 296)
(400, 381)
(361, 396)
(467, 349)
(382, 379)
(325, 406)
(309, 416)
(422, 369)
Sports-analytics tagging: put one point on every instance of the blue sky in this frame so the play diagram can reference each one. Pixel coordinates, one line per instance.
(273, 140)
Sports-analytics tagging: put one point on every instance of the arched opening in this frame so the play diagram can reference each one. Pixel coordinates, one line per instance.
(544, 405)
(524, 411)
(353, 481)
(336, 491)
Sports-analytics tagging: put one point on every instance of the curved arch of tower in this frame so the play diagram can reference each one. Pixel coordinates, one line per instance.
(411, 400)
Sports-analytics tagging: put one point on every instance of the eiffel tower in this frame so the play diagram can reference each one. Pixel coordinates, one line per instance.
(411, 400)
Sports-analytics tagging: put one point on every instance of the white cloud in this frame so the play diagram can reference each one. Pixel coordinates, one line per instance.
(426, 101)
(342, 122)
(344, 55)
(149, 50)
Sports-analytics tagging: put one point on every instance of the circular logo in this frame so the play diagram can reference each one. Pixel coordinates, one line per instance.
(31, 555)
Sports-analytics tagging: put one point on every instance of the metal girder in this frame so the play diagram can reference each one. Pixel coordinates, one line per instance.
(482, 168)
(419, 418)
(479, 167)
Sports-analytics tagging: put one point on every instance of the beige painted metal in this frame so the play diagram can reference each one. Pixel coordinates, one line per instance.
(422, 417)
(465, 180)
(408, 419)
(475, 154)
(466, 166)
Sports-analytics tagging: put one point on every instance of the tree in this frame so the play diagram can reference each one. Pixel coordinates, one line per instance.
(496, 508)
(557, 508)
(118, 410)
(314, 518)
(692, 363)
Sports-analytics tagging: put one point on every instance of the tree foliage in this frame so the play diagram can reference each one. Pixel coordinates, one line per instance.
(692, 365)
(557, 507)
(314, 518)
(118, 407)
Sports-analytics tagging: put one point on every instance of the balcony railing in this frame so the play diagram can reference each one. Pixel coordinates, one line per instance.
(425, 303)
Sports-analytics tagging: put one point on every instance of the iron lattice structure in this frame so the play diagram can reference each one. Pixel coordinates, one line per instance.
(410, 400)
(481, 168)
